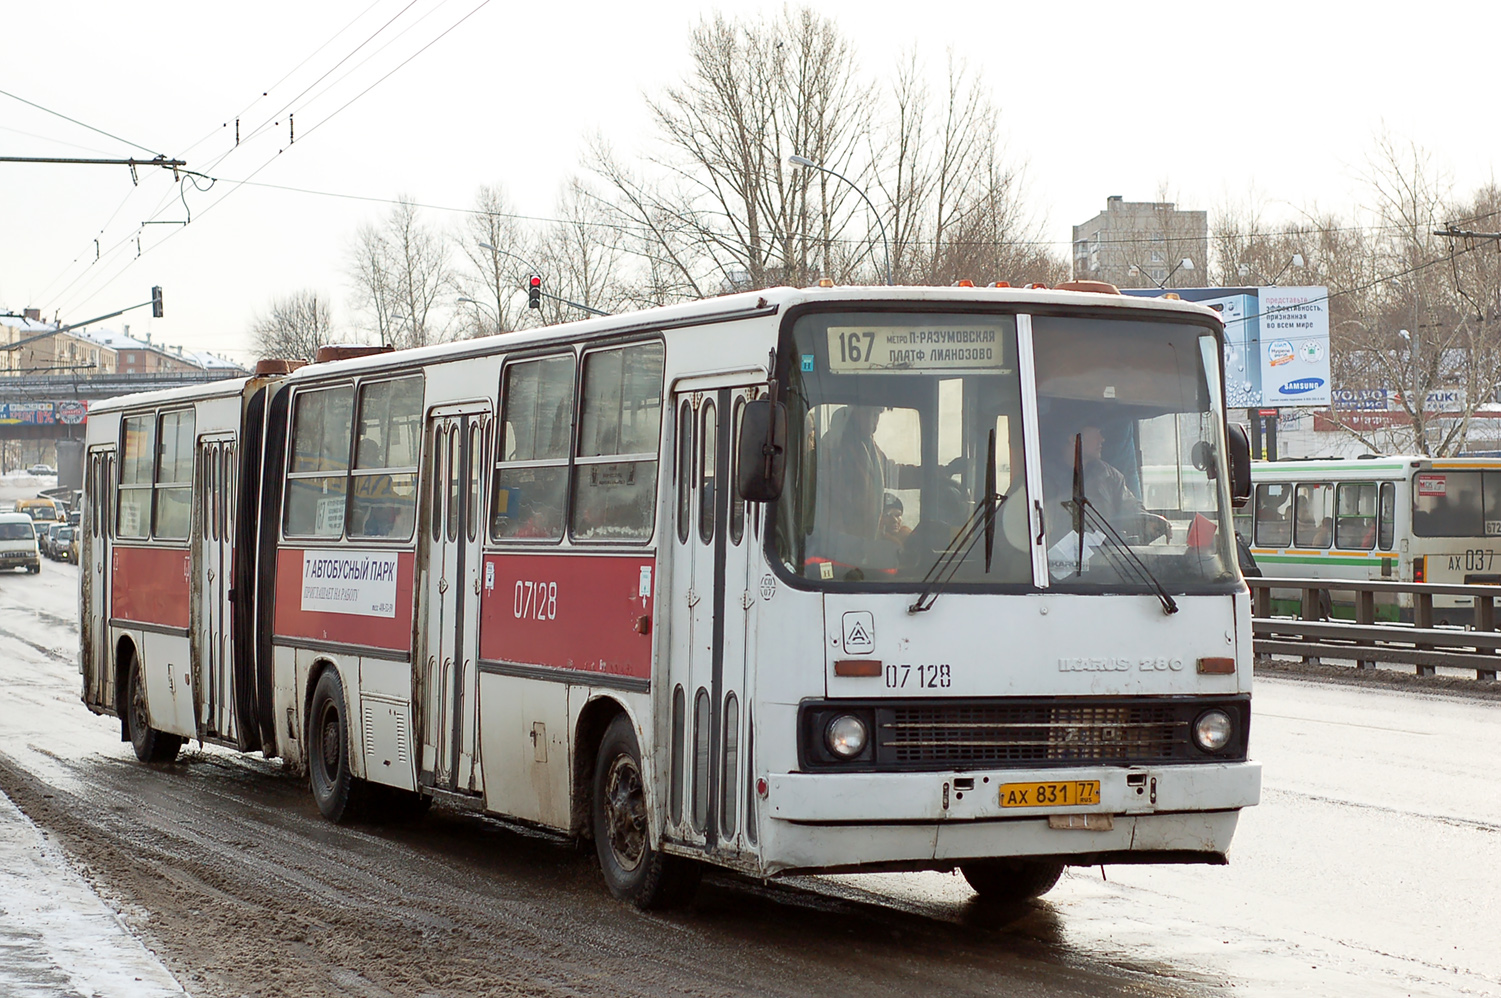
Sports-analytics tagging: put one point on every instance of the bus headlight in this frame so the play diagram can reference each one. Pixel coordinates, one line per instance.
(845, 736)
(1212, 730)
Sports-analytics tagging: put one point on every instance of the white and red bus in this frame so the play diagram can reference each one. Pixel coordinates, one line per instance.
(802, 580)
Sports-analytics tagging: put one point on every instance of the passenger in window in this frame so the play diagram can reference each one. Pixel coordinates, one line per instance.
(892, 528)
(855, 470)
(1105, 487)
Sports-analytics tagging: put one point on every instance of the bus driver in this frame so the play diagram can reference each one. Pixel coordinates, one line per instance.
(1105, 488)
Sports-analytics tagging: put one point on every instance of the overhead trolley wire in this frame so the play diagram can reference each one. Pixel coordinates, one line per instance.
(236, 184)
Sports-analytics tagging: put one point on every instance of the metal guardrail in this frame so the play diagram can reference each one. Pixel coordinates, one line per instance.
(1311, 635)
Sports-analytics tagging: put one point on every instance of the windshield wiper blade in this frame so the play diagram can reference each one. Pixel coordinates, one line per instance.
(1117, 546)
(980, 523)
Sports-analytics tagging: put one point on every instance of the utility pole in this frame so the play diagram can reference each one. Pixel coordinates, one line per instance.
(167, 164)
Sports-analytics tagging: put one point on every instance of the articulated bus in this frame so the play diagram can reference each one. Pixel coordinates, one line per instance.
(831, 579)
(1403, 519)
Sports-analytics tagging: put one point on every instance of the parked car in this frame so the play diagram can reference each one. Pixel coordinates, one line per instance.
(41, 469)
(18, 547)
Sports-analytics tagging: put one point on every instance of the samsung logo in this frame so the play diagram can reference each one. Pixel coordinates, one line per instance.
(1302, 386)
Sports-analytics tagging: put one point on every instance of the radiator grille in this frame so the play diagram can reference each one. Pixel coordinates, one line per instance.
(978, 734)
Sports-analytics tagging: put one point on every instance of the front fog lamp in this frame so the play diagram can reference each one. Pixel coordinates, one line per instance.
(845, 736)
(1212, 730)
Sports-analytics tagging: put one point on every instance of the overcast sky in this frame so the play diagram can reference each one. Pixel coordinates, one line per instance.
(1209, 101)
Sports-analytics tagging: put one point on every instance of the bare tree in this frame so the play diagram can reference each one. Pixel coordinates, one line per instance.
(729, 212)
(499, 253)
(293, 327)
(957, 207)
(582, 257)
(401, 274)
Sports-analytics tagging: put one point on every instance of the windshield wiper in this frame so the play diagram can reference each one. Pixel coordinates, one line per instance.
(980, 523)
(1083, 510)
(1116, 545)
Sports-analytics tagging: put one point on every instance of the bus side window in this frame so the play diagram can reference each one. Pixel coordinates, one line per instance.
(137, 448)
(1355, 516)
(684, 470)
(318, 478)
(1313, 515)
(530, 483)
(707, 472)
(620, 426)
(383, 493)
(1387, 530)
(737, 504)
(1274, 516)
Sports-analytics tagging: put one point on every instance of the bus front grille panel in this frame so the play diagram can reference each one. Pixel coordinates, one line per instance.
(1030, 734)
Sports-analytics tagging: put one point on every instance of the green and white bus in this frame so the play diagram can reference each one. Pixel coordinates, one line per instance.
(1408, 519)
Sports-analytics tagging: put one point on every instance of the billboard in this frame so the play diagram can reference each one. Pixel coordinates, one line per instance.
(1276, 342)
(44, 413)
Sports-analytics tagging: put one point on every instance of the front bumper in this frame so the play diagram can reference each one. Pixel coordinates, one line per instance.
(924, 821)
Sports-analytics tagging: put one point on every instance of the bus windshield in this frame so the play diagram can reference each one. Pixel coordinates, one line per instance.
(890, 422)
(890, 416)
(1131, 408)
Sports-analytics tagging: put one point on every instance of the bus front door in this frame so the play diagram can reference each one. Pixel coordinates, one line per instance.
(711, 597)
(99, 492)
(213, 551)
(449, 710)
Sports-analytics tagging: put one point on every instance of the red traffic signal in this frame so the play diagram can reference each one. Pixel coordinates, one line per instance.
(534, 292)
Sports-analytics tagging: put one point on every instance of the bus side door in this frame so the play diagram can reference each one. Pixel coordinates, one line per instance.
(710, 597)
(98, 657)
(450, 594)
(213, 548)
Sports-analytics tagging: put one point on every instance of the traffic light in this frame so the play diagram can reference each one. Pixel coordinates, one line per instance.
(156, 302)
(534, 292)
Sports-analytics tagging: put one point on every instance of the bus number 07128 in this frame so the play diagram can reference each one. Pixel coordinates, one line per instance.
(535, 600)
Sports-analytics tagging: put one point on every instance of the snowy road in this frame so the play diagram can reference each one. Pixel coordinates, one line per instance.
(1369, 869)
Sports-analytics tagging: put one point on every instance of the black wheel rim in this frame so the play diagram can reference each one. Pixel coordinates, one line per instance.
(625, 813)
(328, 743)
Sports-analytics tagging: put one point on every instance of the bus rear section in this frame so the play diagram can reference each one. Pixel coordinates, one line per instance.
(1456, 530)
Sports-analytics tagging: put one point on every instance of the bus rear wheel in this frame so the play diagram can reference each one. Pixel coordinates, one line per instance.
(1004, 880)
(150, 744)
(633, 870)
(339, 795)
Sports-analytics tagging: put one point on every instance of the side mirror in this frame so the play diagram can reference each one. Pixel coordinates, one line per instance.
(1240, 464)
(762, 450)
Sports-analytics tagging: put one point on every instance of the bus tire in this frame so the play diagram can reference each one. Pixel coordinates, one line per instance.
(1002, 880)
(338, 794)
(632, 869)
(150, 744)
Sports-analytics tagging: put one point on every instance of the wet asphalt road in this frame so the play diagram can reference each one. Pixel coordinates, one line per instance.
(1370, 868)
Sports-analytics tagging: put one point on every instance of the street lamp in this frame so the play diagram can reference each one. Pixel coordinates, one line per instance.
(464, 300)
(1183, 264)
(470, 301)
(797, 160)
(1295, 261)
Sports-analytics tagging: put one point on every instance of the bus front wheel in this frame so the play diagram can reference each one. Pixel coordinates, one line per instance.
(150, 744)
(633, 870)
(1011, 879)
(338, 793)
